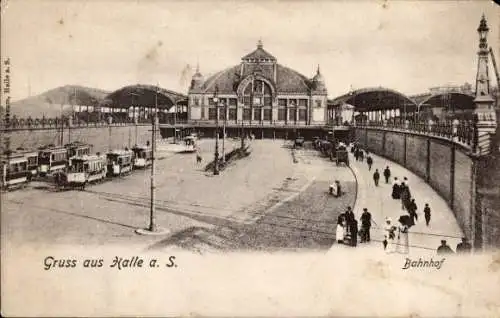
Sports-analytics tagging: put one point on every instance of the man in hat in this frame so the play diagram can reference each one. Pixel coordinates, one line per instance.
(427, 214)
(366, 223)
(387, 174)
(369, 161)
(376, 177)
(464, 247)
(354, 232)
(444, 248)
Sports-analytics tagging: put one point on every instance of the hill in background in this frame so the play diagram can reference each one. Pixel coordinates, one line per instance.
(49, 103)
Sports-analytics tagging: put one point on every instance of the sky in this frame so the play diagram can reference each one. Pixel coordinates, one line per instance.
(404, 45)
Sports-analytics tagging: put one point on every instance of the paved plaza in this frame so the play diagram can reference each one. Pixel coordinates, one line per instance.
(265, 200)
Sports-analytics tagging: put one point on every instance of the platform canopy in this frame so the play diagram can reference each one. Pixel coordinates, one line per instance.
(374, 99)
(451, 101)
(144, 96)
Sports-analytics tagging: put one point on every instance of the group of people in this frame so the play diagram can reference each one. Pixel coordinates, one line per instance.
(463, 247)
(359, 154)
(347, 227)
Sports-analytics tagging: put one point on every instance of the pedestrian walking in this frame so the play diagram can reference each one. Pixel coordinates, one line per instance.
(389, 236)
(354, 232)
(369, 161)
(464, 247)
(427, 214)
(361, 155)
(412, 210)
(405, 196)
(366, 223)
(376, 177)
(356, 154)
(349, 215)
(403, 245)
(396, 189)
(444, 248)
(387, 174)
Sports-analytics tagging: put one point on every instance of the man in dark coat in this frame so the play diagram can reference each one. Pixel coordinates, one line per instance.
(412, 210)
(349, 215)
(387, 174)
(427, 214)
(354, 232)
(464, 247)
(369, 161)
(376, 177)
(366, 223)
(444, 248)
(405, 196)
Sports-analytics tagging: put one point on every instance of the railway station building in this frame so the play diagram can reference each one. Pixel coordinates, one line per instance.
(259, 91)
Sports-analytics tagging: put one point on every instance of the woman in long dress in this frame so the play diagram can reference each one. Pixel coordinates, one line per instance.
(396, 189)
(339, 235)
(403, 246)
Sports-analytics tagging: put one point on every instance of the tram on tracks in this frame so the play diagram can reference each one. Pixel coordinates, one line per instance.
(52, 160)
(119, 162)
(32, 157)
(77, 149)
(143, 156)
(14, 172)
(190, 143)
(84, 170)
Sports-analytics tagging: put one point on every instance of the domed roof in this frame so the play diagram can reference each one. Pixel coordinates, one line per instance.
(197, 79)
(259, 55)
(287, 81)
(318, 81)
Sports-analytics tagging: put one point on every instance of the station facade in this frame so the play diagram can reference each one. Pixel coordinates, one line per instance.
(259, 91)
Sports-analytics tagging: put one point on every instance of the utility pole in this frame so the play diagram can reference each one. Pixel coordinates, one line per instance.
(216, 153)
(153, 229)
(152, 224)
(224, 134)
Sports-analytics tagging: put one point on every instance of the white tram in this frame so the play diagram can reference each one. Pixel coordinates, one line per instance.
(86, 169)
(143, 156)
(119, 162)
(77, 149)
(14, 172)
(190, 144)
(52, 160)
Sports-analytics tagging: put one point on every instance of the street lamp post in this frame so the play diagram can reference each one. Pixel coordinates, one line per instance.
(216, 153)
(224, 134)
(153, 229)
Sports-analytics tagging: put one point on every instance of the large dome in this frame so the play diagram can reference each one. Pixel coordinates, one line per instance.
(287, 80)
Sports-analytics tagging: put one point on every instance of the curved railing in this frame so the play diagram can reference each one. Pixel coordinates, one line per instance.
(462, 132)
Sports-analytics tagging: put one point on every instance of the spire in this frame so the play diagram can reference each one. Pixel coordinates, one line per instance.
(197, 67)
(259, 44)
(317, 71)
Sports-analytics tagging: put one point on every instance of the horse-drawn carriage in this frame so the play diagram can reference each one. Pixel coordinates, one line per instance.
(342, 155)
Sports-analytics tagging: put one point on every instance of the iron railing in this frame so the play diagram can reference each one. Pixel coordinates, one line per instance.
(462, 132)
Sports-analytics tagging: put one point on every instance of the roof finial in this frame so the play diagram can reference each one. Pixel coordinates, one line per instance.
(197, 67)
(317, 72)
(259, 44)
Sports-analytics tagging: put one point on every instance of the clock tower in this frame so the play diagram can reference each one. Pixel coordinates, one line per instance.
(484, 111)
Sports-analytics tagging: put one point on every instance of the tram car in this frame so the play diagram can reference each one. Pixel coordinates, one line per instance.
(190, 143)
(32, 157)
(143, 156)
(119, 162)
(77, 149)
(52, 160)
(14, 172)
(84, 170)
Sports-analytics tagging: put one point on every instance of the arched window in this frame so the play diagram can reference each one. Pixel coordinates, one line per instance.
(257, 93)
